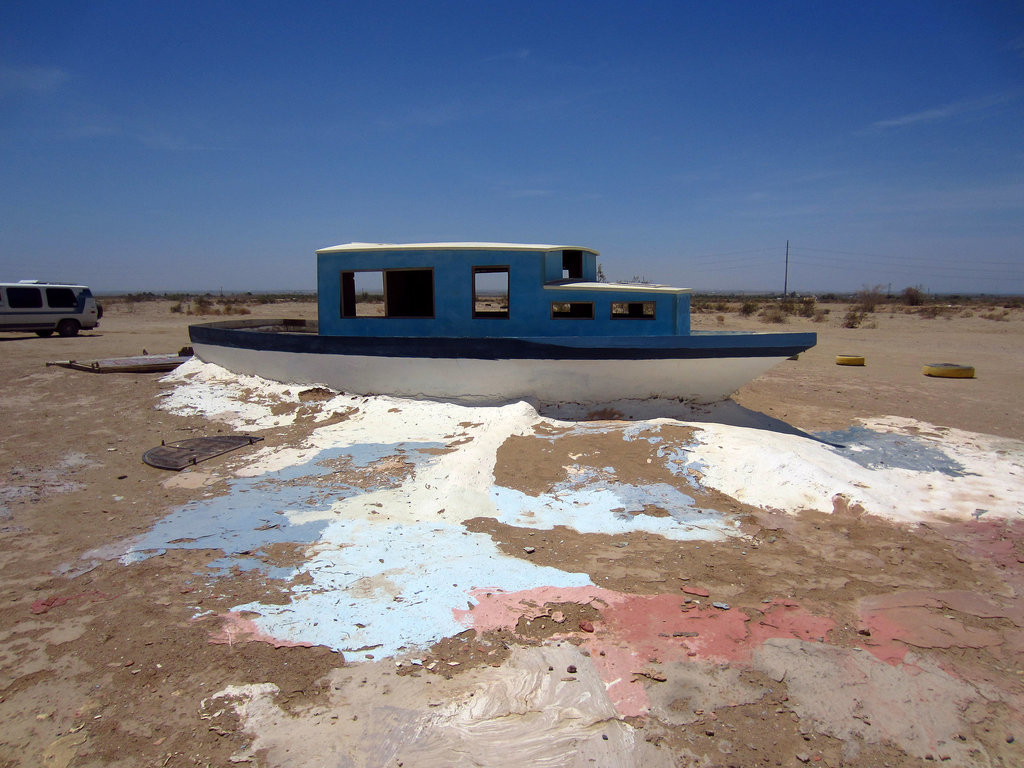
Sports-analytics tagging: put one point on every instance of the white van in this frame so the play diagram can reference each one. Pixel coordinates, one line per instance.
(32, 305)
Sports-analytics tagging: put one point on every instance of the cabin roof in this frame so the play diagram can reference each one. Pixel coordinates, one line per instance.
(580, 285)
(452, 247)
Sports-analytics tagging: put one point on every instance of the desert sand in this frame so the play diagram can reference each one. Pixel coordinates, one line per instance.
(826, 569)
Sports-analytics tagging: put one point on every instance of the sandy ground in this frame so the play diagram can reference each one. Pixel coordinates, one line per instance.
(679, 586)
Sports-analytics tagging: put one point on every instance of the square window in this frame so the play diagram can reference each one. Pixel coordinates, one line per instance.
(362, 293)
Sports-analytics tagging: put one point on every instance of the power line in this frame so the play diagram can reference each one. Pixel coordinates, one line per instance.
(903, 258)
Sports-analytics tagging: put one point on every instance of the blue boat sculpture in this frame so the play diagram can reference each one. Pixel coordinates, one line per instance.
(493, 322)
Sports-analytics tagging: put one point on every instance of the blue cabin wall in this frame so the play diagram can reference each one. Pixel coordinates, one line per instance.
(529, 299)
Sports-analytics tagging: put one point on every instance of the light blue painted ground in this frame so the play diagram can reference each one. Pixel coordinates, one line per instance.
(380, 586)
(254, 513)
(605, 506)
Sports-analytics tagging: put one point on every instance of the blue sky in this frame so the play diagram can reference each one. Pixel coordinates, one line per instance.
(207, 145)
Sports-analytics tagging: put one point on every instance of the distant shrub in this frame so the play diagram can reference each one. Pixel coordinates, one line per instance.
(773, 313)
(748, 307)
(868, 299)
(176, 308)
(931, 311)
(806, 307)
(820, 315)
(998, 316)
(720, 319)
(853, 318)
(912, 297)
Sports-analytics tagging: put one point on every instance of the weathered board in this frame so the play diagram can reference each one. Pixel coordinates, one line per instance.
(185, 453)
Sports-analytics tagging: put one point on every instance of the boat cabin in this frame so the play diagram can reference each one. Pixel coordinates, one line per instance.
(486, 290)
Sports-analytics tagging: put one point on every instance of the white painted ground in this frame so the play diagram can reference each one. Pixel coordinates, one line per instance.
(388, 560)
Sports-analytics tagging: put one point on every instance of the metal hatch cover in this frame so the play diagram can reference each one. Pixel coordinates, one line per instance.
(186, 453)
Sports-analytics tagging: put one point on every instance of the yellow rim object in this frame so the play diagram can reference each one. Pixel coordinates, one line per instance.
(949, 371)
(849, 360)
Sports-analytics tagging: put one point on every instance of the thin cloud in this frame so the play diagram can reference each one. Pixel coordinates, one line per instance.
(432, 116)
(945, 112)
(31, 79)
(520, 54)
(524, 193)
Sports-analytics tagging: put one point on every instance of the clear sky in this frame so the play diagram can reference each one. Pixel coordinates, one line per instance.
(205, 145)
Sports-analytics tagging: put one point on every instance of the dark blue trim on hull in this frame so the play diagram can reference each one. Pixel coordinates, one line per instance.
(299, 337)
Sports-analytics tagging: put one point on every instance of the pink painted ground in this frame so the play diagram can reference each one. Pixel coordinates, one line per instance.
(638, 632)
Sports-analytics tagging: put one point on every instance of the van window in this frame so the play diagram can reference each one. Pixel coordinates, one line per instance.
(61, 297)
(24, 298)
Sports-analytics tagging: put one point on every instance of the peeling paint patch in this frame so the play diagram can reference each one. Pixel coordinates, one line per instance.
(527, 712)
(380, 588)
(289, 505)
(884, 450)
(894, 624)
(948, 473)
(612, 508)
(637, 631)
(916, 706)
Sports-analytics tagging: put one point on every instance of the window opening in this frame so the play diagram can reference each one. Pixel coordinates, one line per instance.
(387, 293)
(362, 293)
(643, 310)
(61, 298)
(24, 298)
(572, 264)
(490, 291)
(577, 309)
(409, 292)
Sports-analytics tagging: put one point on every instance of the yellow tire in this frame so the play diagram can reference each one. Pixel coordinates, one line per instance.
(949, 371)
(849, 360)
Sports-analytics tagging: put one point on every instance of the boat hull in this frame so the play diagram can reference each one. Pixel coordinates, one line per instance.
(700, 367)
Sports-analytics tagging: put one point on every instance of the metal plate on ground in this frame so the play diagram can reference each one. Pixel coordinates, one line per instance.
(135, 364)
(186, 453)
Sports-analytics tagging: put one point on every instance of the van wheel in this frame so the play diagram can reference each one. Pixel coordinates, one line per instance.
(68, 327)
(44, 334)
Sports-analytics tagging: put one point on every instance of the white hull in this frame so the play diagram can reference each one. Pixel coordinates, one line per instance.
(545, 380)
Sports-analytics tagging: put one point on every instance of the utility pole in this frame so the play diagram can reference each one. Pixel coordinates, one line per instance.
(785, 283)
